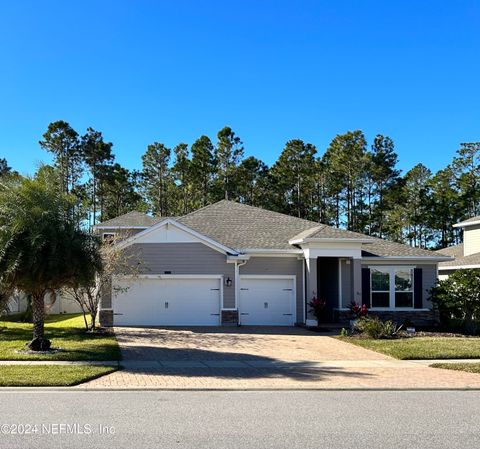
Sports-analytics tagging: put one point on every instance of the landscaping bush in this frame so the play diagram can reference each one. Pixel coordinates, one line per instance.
(317, 308)
(358, 311)
(458, 298)
(376, 328)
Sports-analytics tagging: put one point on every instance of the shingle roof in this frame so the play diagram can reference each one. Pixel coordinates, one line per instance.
(322, 231)
(468, 222)
(386, 248)
(452, 251)
(243, 227)
(472, 259)
(131, 219)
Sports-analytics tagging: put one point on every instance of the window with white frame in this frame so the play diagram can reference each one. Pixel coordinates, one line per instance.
(391, 287)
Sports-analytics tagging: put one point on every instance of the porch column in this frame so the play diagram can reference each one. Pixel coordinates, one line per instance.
(310, 286)
(357, 281)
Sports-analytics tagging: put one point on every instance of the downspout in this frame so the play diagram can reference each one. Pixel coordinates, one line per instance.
(237, 288)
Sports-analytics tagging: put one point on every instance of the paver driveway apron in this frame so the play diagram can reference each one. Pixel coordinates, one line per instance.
(262, 357)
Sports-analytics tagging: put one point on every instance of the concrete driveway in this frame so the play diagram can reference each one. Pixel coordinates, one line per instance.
(262, 358)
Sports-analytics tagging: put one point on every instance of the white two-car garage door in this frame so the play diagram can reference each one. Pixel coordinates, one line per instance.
(267, 300)
(167, 301)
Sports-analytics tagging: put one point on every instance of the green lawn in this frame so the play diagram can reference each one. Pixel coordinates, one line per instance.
(468, 367)
(66, 332)
(49, 375)
(422, 347)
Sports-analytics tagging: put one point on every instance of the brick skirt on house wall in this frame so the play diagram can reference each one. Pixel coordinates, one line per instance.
(414, 317)
(105, 318)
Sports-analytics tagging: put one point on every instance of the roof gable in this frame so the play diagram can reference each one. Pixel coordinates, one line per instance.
(170, 231)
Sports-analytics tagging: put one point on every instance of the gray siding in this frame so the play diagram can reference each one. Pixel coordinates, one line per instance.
(279, 266)
(185, 258)
(429, 280)
(347, 282)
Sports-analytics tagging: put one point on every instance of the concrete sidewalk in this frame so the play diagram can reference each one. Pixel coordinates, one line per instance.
(238, 364)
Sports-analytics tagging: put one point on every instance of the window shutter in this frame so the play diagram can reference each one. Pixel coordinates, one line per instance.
(418, 288)
(366, 286)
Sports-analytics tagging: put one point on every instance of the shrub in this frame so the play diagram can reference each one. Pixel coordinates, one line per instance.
(358, 311)
(343, 332)
(317, 307)
(458, 297)
(376, 328)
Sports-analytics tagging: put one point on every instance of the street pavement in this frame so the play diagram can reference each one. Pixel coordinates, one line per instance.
(56, 418)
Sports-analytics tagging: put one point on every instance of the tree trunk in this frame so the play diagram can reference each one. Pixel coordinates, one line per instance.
(39, 342)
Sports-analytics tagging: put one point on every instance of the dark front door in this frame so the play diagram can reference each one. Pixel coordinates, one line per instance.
(327, 278)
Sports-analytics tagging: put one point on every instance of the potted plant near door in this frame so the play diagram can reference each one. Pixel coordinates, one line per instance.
(317, 308)
(358, 311)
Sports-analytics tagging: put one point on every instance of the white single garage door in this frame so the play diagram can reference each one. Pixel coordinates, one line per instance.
(267, 301)
(171, 301)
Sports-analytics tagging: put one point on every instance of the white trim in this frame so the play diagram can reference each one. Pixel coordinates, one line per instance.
(268, 276)
(304, 299)
(328, 239)
(391, 291)
(340, 282)
(417, 259)
(168, 276)
(459, 267)
(464, 224)
(405, 267)
(120, 227)
(292, 277)
(260, 251)
(387, 309)
(237, 283)
(396, 309)
(204, 239)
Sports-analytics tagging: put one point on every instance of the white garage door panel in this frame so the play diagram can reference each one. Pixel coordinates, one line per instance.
(168, 302)
(267, 301)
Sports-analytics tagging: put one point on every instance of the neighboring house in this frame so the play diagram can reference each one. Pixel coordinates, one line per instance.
(467, 254)
(229, 263)
(18, 304)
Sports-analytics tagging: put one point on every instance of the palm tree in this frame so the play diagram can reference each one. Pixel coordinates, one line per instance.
(41, 248)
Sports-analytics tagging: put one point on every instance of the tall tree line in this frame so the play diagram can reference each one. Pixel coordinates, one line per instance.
(352, 184)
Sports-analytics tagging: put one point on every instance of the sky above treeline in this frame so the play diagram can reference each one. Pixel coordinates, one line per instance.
(170, 71)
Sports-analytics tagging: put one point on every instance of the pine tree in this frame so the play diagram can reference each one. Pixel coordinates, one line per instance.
(446, 207)
(181, 171)
(228, 153)
(347, 161)
(383, 174)
(293, 178)
(467, 170)
(63, 142)
(98, 157)
(120, 193)
(251, 181)
(157, 178)
(417, 206)
(202, 168)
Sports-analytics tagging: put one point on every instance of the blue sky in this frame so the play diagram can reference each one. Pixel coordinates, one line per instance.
(143, 71)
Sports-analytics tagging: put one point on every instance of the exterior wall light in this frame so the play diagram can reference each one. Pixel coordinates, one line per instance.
(228, 282)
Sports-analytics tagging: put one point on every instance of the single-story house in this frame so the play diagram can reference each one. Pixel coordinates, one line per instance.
(466, 254)
(233, 264)
(53, 305)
